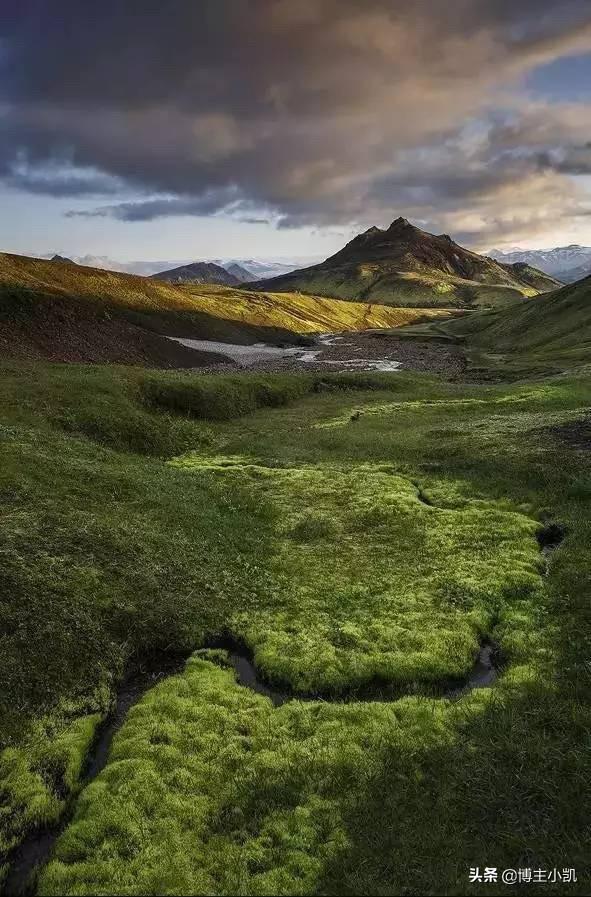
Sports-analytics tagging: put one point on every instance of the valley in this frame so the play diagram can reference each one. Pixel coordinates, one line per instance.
(295, 434)
(193, 513)
(309, 594)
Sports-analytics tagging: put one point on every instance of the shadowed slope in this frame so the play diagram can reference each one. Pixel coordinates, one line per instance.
(198, 272)
(555, 327)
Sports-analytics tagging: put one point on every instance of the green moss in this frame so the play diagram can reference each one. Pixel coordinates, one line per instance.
(37, 778)
(108, 553)
(348, 607)
(210, 790)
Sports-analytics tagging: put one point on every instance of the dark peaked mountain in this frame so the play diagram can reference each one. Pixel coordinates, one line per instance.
(198, 272)
(239, 271)
(407, 266)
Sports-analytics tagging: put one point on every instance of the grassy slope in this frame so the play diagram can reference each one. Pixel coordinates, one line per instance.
(115, 552)
(67, 312)
(552, 333)
(308, 314)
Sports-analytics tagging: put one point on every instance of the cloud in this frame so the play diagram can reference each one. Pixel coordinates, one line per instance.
(209, 203)
(58, 178)
(316, 113)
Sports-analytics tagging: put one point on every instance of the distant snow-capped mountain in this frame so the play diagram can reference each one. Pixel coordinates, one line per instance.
(260, 269)
(243, 269)
(566, 263)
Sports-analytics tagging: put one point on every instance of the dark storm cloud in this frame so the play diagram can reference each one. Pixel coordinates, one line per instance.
(309, 111)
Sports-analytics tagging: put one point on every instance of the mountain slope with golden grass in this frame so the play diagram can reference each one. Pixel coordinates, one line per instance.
(66, 312)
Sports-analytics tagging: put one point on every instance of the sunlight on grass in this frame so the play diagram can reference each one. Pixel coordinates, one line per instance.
(212, 791)
(363, 585)
(384, 548)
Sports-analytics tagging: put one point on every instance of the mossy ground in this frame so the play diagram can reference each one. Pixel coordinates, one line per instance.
(308, 538)
(348, 607)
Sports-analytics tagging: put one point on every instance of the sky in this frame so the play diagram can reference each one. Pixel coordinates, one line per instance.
(280, 128)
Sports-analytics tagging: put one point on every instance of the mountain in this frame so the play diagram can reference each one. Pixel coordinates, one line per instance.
(261, 269)
(198, 272)
(64, 312)
(406, 266)
(567, 263)
(243, 274)
(257, 268)
(61, 258)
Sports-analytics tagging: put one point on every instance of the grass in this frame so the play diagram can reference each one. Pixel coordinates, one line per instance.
(348, 608)
(304, 533)
(548, 335)
(260, 807)
(215, 398)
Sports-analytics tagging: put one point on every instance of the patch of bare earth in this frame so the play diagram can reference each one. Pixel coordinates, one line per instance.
(60, 334)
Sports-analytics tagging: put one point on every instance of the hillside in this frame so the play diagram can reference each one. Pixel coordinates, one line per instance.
(552, 333)
(558, 321)
(65, 312)
(406, 266)
(198, 272)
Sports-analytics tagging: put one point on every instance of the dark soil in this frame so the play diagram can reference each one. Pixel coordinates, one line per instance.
(64, 336)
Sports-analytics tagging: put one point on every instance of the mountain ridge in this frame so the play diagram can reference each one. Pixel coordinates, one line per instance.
(198, 272)
(567, 263)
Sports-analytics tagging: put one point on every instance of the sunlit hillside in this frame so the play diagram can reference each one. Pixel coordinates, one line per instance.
(406, 266)
(300, 313)
(63, 311)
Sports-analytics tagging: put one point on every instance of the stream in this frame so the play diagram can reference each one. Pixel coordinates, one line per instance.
(36, 848)
(482, 674)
